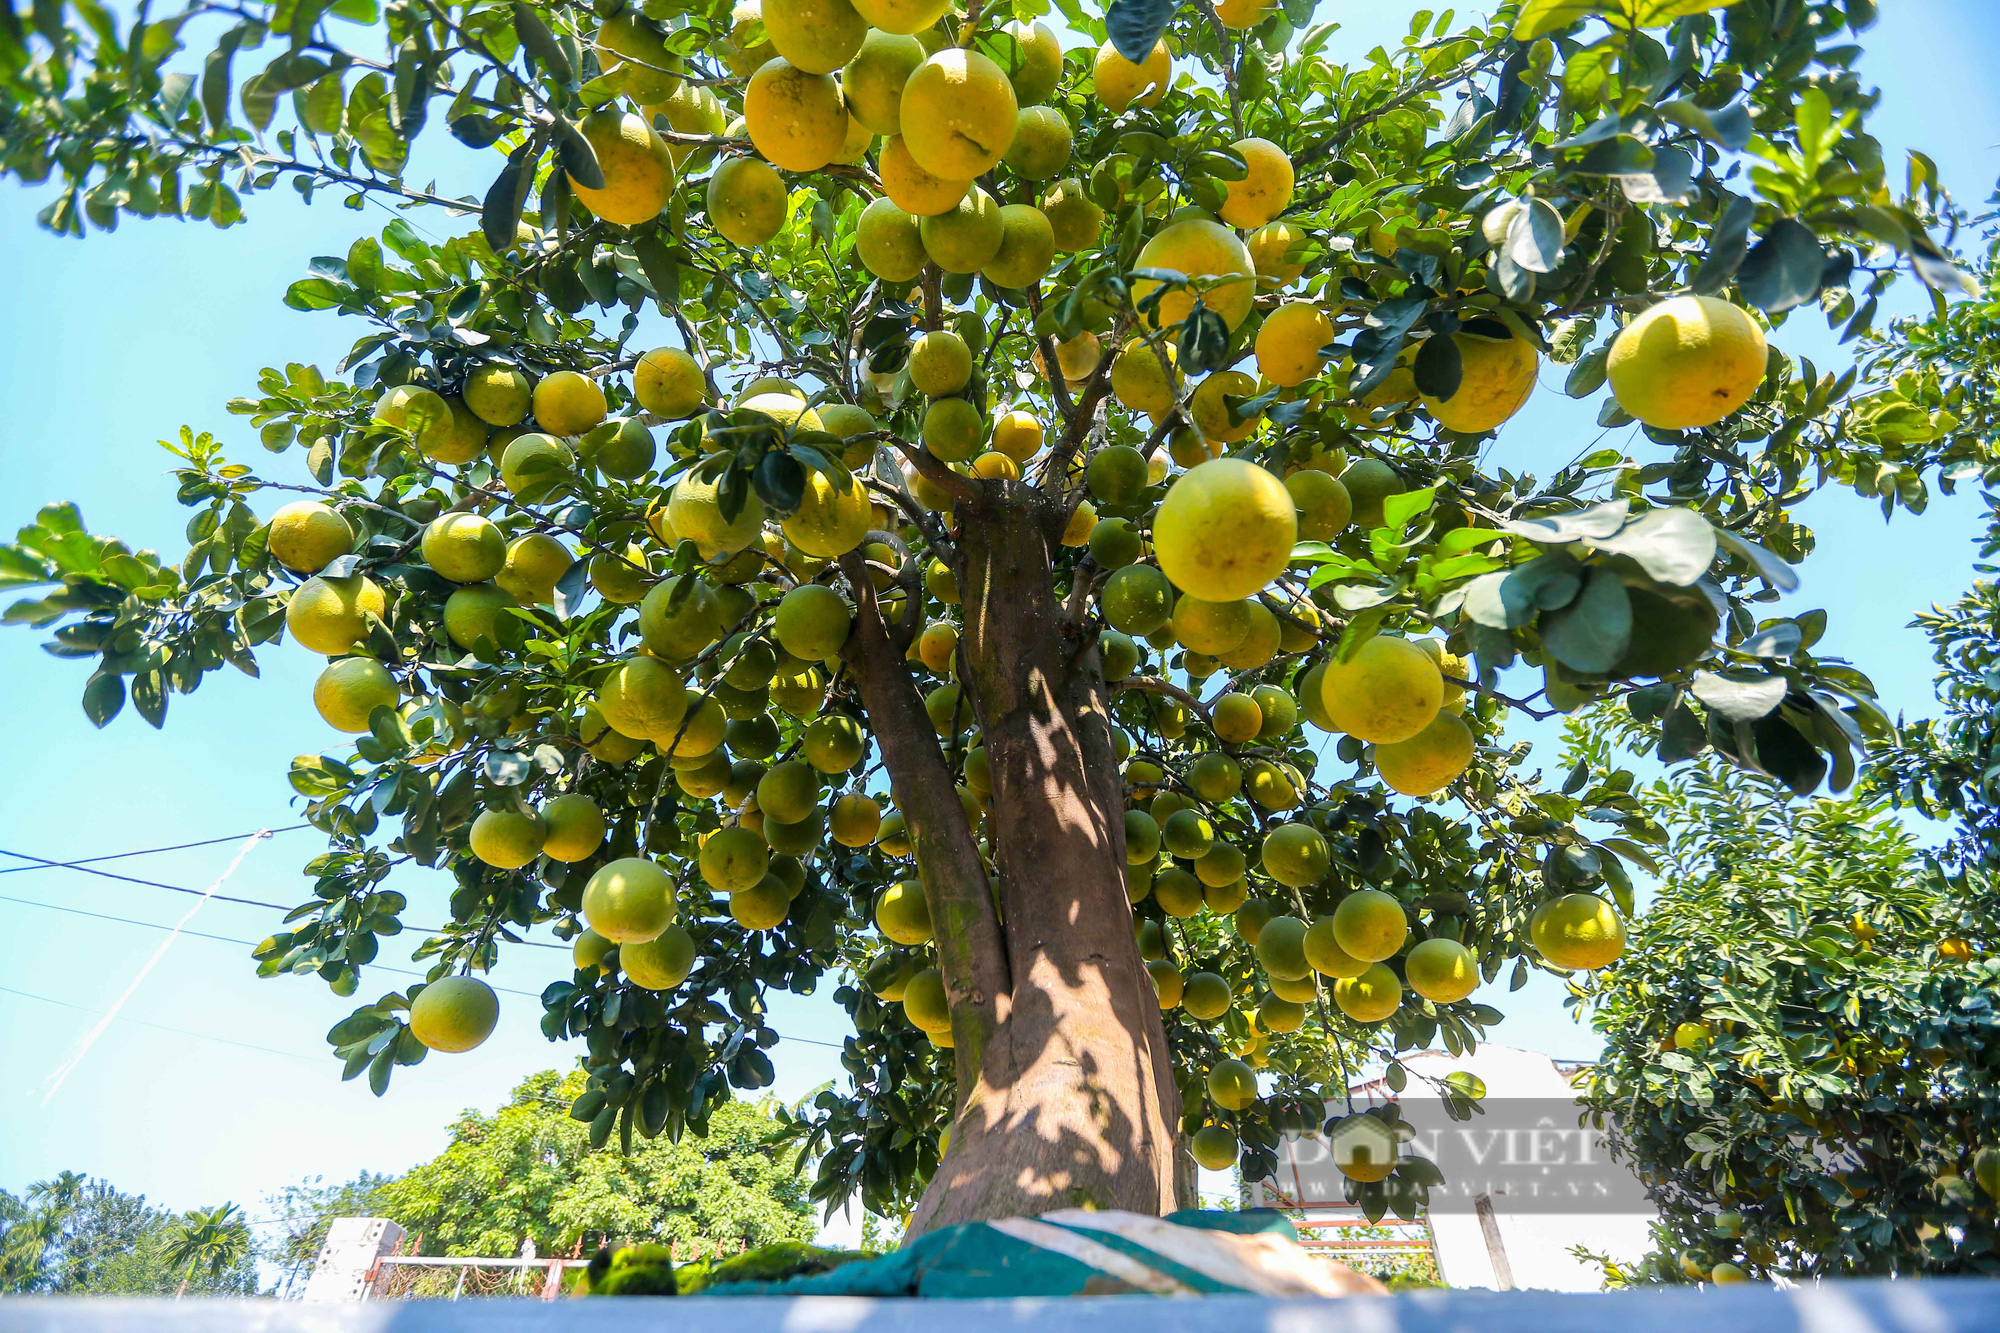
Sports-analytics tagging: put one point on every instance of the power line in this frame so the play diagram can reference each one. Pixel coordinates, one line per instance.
(149, 851)
(185, 1032)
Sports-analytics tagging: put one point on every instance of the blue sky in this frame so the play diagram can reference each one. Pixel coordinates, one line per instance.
(217, 1085)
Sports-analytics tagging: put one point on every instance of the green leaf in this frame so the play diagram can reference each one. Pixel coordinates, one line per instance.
(1673, 545)
(1135, 25)
(103, 696)
(1740, 696)
(1398, 510)
(579, 159)
(215, 75)
(1783, 269)
(1659, 13)
(1539, 18)
(1593, 632)
(541, 43)
(1535, 239)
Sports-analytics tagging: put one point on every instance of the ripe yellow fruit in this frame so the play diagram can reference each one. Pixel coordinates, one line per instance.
(856, 820)
(1281, 948)
(669, 383)
(536, 562)
(1296, 855)
(1289, 343)
(1240, 14)
(454, 1014)
(733, 858)
(1688, 1036)
(951, 431)
(691, 110)
(1205, 996)
(1214, 1147)
(1429, 761)
(457, 439)
(1687, 362)
(1081, 520)
(958, 114)
(1496, 375)
(1275, 1013)
(818, 36)
(1027, 248)
(1271, 247)
(913, 189)
(1018, 435)
(902, 914)
(575, 828)
(1370, 997)
(626, 41)
(536, 467)
(1120, 83)
(700, 732)
(1210, 410)
(629, 900)
(567, 403)
(1322, 503)
(1369, 924)
(695, 510)
(1199, 248)
(831, 519)
(660, 963)
(507, 839)
(1034, 63)
(940, 363)
(416, 409)
(788, 792)
(903, 17)
(473, 613)
(746, 201)
(1209, 627)
(873, 80)
(1262, 193)
(1074, 218)
(1955, 949)
(642, 697)
(330, 616)
(1387, 692)
(1326, 956)
(1225, 530)
(1167, 983)
(465, 548)
(762, 906)
(1232, 1085)
(1077, 358)
(812, 622)
(589, 950)
(796, 119)
(1139, 381)
(1041, 145)
(307, 536)
(1442, 971)
(498, 395)
(925, 1003)
(1235, 718)
(1578, 930)
(350, 690)
(638, 174)
(965, 237)
(888, 242)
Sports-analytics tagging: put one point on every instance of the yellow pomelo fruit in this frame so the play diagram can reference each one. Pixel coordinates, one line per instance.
(995, 466)
(1496, 375)
(906, 18)
(940, 363)
(1074, 218)
(536, 562)
(1270, 245)
(700, 732)
(642, 697)
(627, 41)
(951, 430)
(589, 950)
(1387, 692)
(660, 963)
(1687, 362)
(1213, 1147)
(889, 243)
(605, 744)
(1240, 14)
(1235, 718)
(1232, 1085)
(1252, 917)
(1215, 777)
(965, 237)
(306, 536)
(1077, 358)
(1369, 924)
(1140, 382)
(638, 174)
(669, 383)
(696, 513)
(1178, 893)
(924, 1001)
(679, 617)
(473, 613)
(1027, 248)
(536, 467)
(567, 403)
(1209, 627)
(1369, 482)
(1281, 711)
(416, 409)
(1322, 503)
(1081, 520)
(464, 548)
(507, 839)
(742, 56)
(1289, 343)
(746, 201)
(457, 439)
(1018, 435)
(691, 110)
(454, 1014)
(1296, 855)
(330, 616)
(1225, 530)
(498, 395)
(936, 646)
(1326, 956)
(958, 114)
(1687, 1036)
(1137, 600)
(1281, 948)
(1726, 1274)
(575, 828)
(902, 914)
(1219, 867)
(1205, 996)
(1370, 997)
(1034, 64)
(1120, 82)
(1199, 248)
(812, 622)
(1263, 193)
(834, 743)
(1578, 930)
(1442, 971)
(621, 578)
(788, 792)
(817, 36)
(831, 519)
(762, 906)
(796, 119)
(1041, 143)
(1275, 1013)
(856, 820)
(1429, 761)
(873, 80)
(913, 189)
(629, 900)
(349, 690)
(733, 858)
(1167, 984)
(1211, 413)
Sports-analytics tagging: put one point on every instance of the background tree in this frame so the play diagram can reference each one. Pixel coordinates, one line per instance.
(529, 1173)
(1052, 696)
(209, 1241)
(300, 1216)
(73, 1235)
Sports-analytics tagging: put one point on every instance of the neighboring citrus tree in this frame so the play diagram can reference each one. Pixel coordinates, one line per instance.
(1073, 430)
(529, 1172)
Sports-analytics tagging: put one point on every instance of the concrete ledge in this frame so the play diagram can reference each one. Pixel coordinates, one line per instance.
(1946, 1305)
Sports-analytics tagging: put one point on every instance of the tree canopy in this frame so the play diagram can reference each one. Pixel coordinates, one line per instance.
(75, 1236)
(1078, 456)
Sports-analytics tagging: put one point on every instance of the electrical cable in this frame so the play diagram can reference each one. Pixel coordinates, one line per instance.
(148, 851)
(185, 1032)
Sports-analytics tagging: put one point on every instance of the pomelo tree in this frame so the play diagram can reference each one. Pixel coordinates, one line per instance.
(1074, 429)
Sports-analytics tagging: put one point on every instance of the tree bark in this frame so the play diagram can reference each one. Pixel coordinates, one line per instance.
(1065, 1086)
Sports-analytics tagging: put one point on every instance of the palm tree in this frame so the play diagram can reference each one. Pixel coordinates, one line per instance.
(216, 1240)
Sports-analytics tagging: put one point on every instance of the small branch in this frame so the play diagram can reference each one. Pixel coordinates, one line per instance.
(955, 484)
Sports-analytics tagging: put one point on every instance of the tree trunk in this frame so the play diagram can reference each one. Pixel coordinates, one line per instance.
(1065, 1087)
